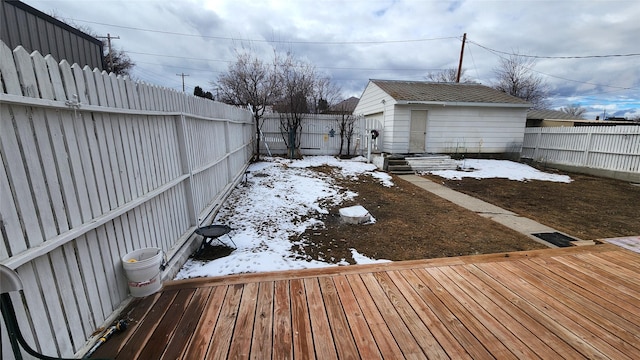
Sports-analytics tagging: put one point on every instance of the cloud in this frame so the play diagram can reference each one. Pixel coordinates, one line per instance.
(353, 41)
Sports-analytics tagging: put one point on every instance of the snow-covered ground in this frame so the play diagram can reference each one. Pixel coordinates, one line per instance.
(483, 169)
(282, 198)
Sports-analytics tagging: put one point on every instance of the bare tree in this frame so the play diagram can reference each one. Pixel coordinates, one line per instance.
(574, 110)
(447, 76)
(346, 127)
(515, 77)
(325, 94)
(298, 84)
(118, 62)
(250, 82)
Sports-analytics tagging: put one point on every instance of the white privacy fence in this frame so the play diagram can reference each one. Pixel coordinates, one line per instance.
(95, 166)
(317, 137)
(614, 149)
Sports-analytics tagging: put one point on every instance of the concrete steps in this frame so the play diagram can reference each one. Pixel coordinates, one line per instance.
(431, 163)
(402, 165)
(399, 166)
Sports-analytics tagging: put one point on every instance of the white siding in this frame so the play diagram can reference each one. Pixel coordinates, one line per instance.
(371, 100)
(475, 129)
(450, 129)
(401, 124)
(378, 115)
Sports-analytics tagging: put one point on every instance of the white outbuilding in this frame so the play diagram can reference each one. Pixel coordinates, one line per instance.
(419, 117)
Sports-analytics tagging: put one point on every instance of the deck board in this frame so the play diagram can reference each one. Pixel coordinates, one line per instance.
(243, 331)
(187, 324)
(446, 319)
(342, 336)
(282, 337)
(221, 337)
(319, 321)
(261, 343)
(548, 301)
(399, 330)
(557, 303)
(386, 343)
(362, 335)
(301, 324)
(199, 344)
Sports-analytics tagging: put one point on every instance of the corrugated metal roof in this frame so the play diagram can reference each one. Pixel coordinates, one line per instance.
(445, 92)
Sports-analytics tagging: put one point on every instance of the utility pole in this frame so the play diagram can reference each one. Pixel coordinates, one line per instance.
(183, 75)
(464, 39)
(109, 37)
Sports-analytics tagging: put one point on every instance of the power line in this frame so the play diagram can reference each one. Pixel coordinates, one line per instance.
(497, 53)
(554, 57)
(584, 82)
(319, 67)
(271, 41)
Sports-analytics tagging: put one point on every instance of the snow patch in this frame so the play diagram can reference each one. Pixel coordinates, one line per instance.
(282, 198)
(361, 259)
(484, 169)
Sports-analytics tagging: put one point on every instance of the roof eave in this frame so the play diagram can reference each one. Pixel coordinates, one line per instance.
(460, 103)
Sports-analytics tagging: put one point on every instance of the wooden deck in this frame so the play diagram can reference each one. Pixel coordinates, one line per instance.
(580, 302)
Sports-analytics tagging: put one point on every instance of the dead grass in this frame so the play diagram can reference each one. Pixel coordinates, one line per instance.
(412, 223)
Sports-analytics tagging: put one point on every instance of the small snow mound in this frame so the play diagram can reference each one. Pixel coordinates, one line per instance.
(361, 259)
(355, 215)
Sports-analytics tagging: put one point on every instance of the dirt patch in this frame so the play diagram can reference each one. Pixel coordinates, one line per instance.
(411, 223)
(587, 208)
(212, 252)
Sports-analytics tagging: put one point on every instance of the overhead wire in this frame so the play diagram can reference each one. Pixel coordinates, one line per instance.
(473, 61)
(554, 57)
(500, 53)
(494, 51)
(360, 42)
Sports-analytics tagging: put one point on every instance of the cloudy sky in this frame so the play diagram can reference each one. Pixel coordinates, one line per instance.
(353, 41)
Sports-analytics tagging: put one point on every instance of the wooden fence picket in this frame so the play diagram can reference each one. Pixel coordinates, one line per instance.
(92, 168)
(8, 208)
(615, 149)
(56, 79)
(9, 71)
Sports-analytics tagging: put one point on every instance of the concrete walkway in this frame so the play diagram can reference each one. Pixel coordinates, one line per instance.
(507, 218)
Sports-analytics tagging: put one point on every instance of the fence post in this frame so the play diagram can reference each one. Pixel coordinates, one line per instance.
(227, 150)
(185, 162)
(585, 160)
(537, 147)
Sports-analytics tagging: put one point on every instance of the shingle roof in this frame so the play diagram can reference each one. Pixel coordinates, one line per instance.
(347, 105)
(445, 92)
(550, 114)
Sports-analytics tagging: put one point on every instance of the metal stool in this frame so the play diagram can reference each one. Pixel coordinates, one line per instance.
(212, 233)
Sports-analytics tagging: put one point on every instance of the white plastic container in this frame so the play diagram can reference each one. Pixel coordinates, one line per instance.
(142, 268)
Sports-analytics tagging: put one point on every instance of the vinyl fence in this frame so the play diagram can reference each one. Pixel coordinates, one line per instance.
(612, 151)
(320, 136)
(95, 166)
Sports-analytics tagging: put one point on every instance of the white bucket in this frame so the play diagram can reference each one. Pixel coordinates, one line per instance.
(142, 268)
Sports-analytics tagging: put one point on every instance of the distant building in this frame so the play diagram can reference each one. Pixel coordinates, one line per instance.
(21, 24)
(555, 118)
(417, 117)
(344, 107)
